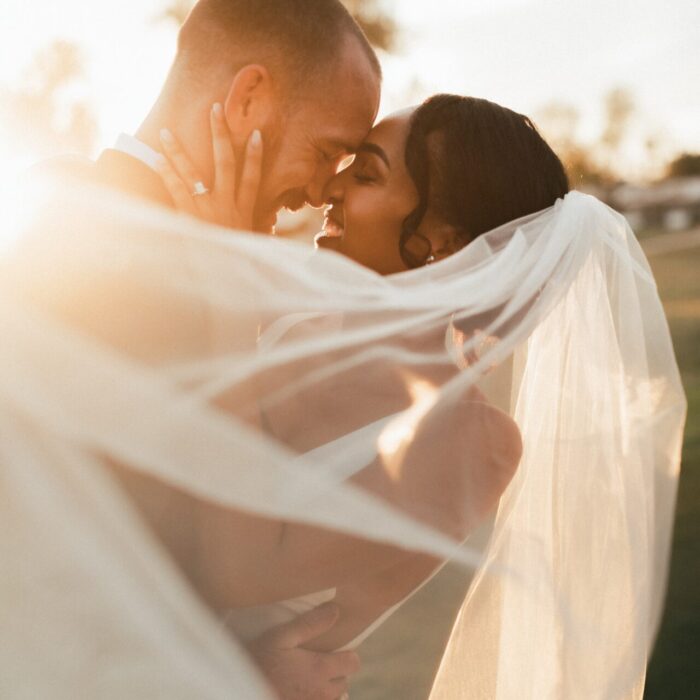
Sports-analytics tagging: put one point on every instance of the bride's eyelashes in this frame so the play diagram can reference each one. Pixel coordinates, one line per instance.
(363, 179)
(364, 173)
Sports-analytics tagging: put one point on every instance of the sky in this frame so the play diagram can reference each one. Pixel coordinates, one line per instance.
(521, 53)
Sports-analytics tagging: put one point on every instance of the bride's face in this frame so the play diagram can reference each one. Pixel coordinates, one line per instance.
(370, 200)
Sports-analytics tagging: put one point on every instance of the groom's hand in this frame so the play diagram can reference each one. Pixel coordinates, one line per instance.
(296, 673)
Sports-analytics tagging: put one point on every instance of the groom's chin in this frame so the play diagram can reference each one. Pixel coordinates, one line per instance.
(266, 224)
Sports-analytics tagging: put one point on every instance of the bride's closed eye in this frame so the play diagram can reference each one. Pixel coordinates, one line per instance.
(363, 171)
(363, 179)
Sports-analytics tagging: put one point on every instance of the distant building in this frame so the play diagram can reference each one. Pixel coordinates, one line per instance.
(672, 204)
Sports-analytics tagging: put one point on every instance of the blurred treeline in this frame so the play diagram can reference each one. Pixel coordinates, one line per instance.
(51, 109)
(595, 161)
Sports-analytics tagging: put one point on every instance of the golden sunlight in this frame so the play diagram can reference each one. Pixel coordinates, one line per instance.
(16, 207)
(396, 437)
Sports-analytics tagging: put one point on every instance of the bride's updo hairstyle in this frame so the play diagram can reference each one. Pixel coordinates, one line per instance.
(476, 165)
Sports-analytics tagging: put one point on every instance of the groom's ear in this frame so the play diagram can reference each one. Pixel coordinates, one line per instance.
(249, 104)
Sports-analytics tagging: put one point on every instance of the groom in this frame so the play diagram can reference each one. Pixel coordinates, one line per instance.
(303, 74)
(299, 71)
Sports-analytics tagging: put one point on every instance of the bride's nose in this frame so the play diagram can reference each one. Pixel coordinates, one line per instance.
(334, 189)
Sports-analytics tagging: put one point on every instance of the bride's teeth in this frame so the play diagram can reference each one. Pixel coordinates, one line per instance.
(332, 229)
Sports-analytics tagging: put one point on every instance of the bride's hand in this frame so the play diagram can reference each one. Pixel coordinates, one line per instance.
(228, 203)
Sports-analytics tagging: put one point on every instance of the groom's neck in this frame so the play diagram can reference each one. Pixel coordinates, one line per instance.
(191, 128)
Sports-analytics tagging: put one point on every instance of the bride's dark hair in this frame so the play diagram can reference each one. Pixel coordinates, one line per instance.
(476, 165)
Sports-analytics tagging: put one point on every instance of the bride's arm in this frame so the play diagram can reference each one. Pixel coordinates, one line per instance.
(243, 560)
(363, 603)
(458, 464)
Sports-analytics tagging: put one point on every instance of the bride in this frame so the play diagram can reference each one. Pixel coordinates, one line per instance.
(425, 183)
(501, 366)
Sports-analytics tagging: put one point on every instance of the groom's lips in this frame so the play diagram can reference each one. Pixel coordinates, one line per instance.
(292, 200)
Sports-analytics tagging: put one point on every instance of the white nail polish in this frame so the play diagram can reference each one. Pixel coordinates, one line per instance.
(256, 138)
(167, 136)
(218, 110)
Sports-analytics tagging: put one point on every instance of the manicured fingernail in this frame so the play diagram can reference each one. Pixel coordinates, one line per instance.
(166, 135)
(218, 110)
(160, 161)
(256, 139)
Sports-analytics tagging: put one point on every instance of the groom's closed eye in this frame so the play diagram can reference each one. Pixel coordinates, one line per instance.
(335, 150)
(341, 157)
(341, 147)
(335, 158)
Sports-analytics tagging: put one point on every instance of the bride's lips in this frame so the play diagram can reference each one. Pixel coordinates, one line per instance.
(333, 225)
(333, 230)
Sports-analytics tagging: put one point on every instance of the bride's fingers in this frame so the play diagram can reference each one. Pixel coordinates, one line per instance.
(250, 177)
(224, 157)
(179, 159)
(178, 190)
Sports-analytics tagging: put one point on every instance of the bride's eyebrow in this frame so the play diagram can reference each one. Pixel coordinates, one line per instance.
(368, 147)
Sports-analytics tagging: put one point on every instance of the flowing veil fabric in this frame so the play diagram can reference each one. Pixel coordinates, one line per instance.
(257, 375)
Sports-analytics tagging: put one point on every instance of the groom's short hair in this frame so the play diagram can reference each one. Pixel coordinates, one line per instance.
(301, 38)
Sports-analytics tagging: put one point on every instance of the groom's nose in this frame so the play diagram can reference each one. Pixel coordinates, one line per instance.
(316, 190)
(314, 197)
(334, 189)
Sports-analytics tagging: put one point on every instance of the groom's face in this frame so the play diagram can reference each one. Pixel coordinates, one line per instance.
(312, 135)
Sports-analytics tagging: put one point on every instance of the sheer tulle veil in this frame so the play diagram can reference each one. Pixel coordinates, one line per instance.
(260, 375)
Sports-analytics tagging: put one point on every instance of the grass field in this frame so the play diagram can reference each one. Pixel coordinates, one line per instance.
(401, 658)
(674, 671)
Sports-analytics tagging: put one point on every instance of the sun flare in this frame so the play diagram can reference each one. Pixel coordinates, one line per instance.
(398, 435)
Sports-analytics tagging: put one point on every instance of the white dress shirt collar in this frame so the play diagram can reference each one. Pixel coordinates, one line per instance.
(138, 149)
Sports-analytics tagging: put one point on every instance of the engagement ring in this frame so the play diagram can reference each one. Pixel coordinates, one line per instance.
(199, 189)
